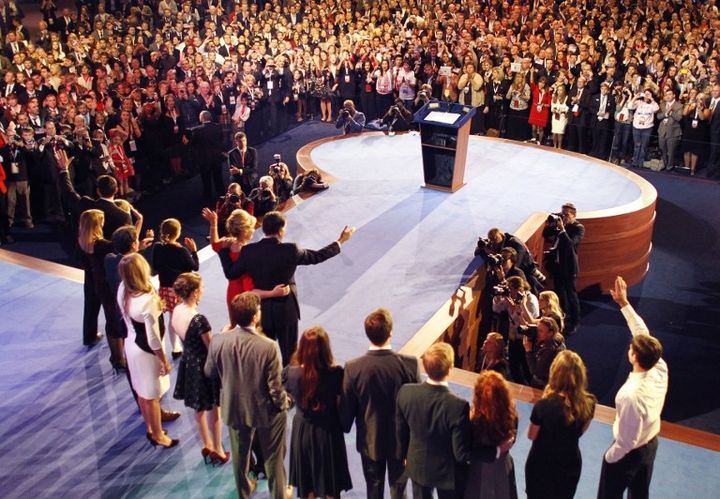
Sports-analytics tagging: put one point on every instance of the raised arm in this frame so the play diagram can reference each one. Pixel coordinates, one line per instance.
(313, 257)
(634, 321)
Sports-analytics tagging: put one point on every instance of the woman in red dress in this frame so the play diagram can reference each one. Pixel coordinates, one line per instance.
(540, 109)
(240, 227)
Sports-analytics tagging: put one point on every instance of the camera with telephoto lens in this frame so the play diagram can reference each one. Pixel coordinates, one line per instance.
(482, 244)
(494, 260)
(529, 331)
(553, 221)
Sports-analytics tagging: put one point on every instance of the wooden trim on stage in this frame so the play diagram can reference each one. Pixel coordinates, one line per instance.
(51, 268)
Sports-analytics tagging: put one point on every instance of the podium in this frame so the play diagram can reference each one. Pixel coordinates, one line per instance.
(444, 131)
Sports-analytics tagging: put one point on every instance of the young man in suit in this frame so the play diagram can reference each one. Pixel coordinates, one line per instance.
(271, 262)
(602, 112)
(253, 400)
(433, 430)
(243, 164)
(208, 141)
(370, 388)
(669, 117)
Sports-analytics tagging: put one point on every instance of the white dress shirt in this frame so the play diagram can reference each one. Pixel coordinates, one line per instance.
(639, 401)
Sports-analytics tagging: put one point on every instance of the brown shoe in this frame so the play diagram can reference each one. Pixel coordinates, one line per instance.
(167, 416)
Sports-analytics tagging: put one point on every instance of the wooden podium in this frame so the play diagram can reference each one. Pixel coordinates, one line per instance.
(444, 131)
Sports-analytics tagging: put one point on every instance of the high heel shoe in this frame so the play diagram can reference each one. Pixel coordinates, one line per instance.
(207, 455)
(217, 460)
(148, 435)
(155, 443)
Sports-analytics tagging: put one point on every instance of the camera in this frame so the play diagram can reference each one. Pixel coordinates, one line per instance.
(345, 113)
(500, 290)
(494, 260)
(482, 244)
(266, 194)
(553, 221)
(233, 199)
(529, 331)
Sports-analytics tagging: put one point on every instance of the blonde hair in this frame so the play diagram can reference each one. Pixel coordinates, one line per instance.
(568, 380)
(554, 307)
(241, 225)
(123, 205)
(134, 271)
(169, 230)
(90, 229)
(438, 360)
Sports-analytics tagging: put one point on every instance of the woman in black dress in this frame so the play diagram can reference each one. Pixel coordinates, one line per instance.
(96, 287)
(695, 134)
(557, 422)
(198, 392)
(318, 460)
(169, 260)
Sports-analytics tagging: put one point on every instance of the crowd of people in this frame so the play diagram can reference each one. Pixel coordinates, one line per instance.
(119, 87)
(123, 96)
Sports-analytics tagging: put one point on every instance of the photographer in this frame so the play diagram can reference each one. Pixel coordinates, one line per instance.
(424, 96)
(282, 180)
(514, 299)
(497, 241)
(645, 108)
(310, 181)
(234, 199)
(350, 120)
(541, 352)
(564, 234)
(398, 118)
(263, 197)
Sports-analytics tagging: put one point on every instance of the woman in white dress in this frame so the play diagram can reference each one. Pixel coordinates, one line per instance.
(558, 111)
(149, 368)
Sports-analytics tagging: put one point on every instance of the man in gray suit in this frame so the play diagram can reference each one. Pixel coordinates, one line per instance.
(669, 129)
(253, 399)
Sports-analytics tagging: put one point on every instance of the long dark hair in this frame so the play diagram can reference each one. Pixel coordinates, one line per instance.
(313, 356)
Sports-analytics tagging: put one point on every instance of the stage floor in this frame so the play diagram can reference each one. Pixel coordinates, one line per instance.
(70, 428)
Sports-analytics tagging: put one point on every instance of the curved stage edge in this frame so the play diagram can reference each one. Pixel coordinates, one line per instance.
(618, 241)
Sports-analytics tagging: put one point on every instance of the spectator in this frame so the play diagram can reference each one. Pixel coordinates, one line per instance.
(318, 460)
(494, 421)
(669, 117)
(370, 389)
(628, 463)
(559, 109)
(253, 400)
(472, 93)
(192, 386)
(517, 118)
(557, 422)
(541, 351)
(602, 112)
(696, 116)
(539, 108)
(644, 107)
(242, 162)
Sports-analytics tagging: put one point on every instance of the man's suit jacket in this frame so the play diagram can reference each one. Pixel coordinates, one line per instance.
(434, 434)
(370, 388)
(208, 140)
(270, 262)
(581, 116)
(114, 216)
(563, 259)
(595, 109)
(669, 122)
(249, 176)
(249, 368)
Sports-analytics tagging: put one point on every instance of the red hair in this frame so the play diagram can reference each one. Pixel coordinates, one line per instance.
(494, 414)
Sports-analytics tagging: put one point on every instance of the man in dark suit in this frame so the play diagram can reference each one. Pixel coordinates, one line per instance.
(243, 164)
(714, 160)
(207, 141)
(105, 202)
(602, 113)
(579, 102)
(433, 430)
(561, 261)
(253, 400)
(370, 388)
(271, 262)
(669, 117)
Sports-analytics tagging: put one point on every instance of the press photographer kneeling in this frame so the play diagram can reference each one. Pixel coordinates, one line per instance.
(263, 197)
(398, 118)
(310, 181)
(349, 119)
(282, 180)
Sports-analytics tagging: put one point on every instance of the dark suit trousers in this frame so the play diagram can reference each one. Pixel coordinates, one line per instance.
(212, 174)
(91, 309)
(668, 150)
(569, 301)
(374, 472)
(273, 442)
(633, 472)
(285, 333)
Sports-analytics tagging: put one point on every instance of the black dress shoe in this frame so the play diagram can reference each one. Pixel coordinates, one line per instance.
(167, 416)
(95, 341)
